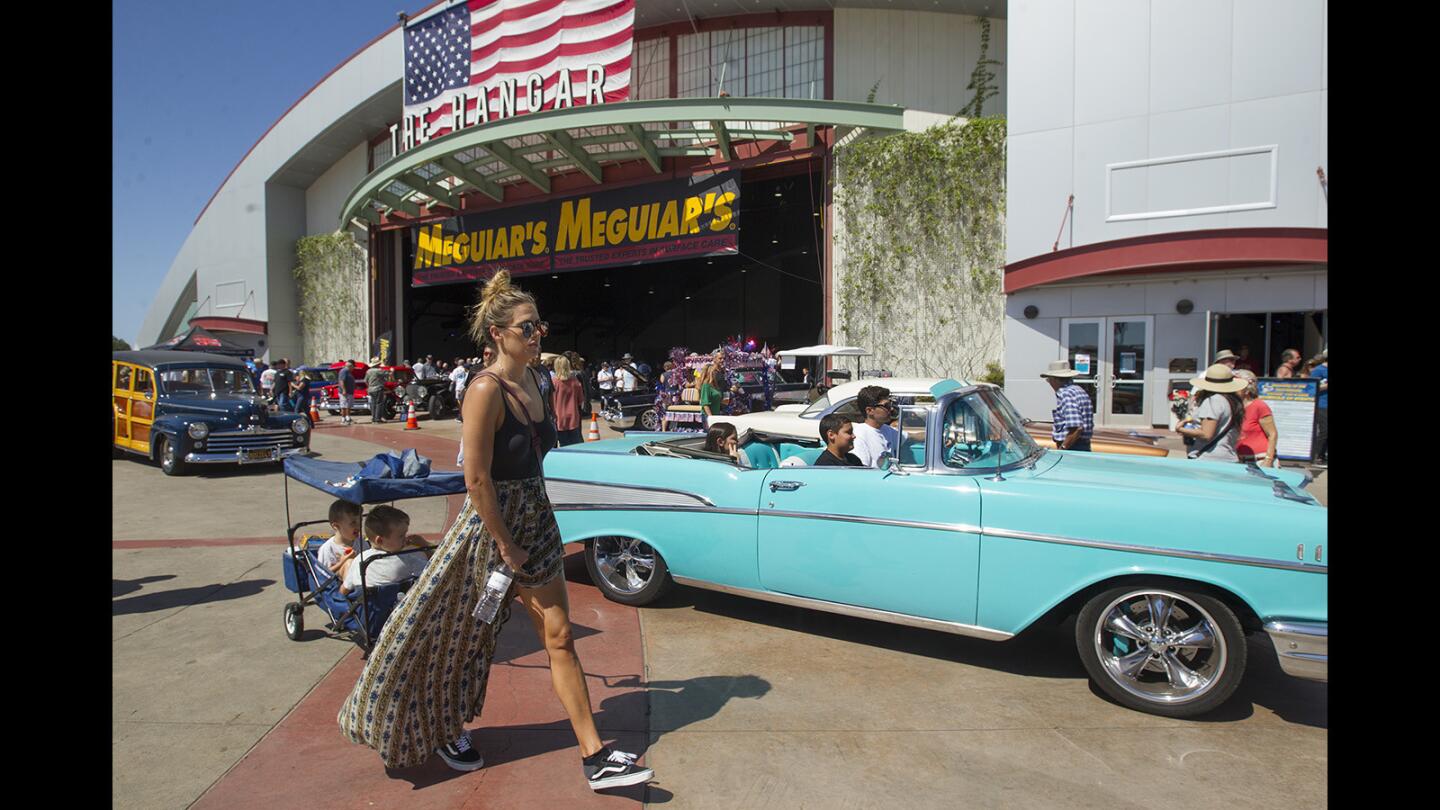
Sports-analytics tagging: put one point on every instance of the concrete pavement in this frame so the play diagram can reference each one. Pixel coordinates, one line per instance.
(734, 702)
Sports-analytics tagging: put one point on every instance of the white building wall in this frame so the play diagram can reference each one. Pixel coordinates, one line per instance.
(923, 60)
(1098, 82)
(326, 196)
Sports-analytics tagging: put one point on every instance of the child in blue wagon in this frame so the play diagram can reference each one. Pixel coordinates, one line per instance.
(338, 552)
(388, 531)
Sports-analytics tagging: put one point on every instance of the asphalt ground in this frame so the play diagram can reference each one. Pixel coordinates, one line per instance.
(734, 702)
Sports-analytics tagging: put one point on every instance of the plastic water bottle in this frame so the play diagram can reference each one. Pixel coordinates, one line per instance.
(494, 596)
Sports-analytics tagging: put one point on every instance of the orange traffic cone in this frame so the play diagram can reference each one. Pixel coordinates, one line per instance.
(314, 413)
(410, 423)
(594, 434)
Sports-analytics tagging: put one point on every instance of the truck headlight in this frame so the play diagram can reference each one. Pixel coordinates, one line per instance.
(300, 426)
(198, 430)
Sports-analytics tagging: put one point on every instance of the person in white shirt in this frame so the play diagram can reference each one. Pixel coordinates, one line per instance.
(387, 529)
(875, 438)
(267, 382)
(625, 376)
(338, 552)
(458, 376)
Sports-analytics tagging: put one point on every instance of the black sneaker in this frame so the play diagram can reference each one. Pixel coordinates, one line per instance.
(607, 769)
(460, 756)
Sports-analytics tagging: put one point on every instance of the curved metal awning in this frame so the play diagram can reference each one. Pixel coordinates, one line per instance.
(532, 148)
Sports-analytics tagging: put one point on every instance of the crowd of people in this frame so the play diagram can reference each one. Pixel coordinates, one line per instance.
(1226, 421)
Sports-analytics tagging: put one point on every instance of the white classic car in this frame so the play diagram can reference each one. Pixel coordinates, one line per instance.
(804, 420)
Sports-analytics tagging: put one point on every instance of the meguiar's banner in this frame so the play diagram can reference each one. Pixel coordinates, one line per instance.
(696, 216)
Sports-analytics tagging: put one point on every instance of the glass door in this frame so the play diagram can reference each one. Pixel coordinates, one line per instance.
(1130, 341)
(1113, 357)
(1083, 351)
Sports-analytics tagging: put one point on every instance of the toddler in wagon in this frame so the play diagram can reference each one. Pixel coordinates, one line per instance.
(340, 550)
(387, 528)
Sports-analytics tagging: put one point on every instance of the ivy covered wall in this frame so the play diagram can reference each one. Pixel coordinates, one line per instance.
(919, 249)
(330, 276)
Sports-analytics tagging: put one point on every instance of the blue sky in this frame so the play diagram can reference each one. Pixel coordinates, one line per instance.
(195, 84)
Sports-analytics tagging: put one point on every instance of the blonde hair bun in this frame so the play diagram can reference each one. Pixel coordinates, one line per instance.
(498, 298)
(496, 286)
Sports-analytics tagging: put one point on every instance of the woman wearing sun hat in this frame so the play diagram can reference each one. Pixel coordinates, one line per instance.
(1221, 412)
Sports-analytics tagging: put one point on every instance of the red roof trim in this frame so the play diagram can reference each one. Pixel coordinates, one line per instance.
(332, 72)
(1180, 251)
(217, 323)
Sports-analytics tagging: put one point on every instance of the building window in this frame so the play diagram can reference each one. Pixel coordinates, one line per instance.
(776, 62)
(380, 153)
(650, 78)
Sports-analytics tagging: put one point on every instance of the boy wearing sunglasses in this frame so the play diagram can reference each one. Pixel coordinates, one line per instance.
(875, 438)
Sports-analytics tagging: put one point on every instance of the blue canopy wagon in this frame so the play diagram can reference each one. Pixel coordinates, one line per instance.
(385, 478)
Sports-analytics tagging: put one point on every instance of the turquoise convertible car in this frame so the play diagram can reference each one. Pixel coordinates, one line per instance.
(972, 528)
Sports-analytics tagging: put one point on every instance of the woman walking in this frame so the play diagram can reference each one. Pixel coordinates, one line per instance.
(1220, 413)
(428, 672)
(569, 392)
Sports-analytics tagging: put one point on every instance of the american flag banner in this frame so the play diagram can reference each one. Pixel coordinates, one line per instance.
(481, 60)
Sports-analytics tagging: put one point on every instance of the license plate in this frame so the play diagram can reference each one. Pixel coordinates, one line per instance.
(259, 455)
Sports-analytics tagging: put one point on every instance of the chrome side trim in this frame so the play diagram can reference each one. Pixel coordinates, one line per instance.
(563, 490)
(907, 524)
(1237, 559)
(610, 507)
(1303, 648)
(852, 610)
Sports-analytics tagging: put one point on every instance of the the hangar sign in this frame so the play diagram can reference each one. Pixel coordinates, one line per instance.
(635, 225)
(482, 60)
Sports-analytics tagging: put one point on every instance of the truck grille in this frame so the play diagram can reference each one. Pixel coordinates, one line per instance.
(244, 440)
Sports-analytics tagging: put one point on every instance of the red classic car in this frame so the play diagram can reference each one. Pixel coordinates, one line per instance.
(329, 399)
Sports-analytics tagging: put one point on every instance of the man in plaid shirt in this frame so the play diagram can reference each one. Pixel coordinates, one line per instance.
(1074, 415)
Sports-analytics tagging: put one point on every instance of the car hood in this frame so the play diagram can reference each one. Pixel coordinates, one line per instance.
(1170, 476)
(232, 408)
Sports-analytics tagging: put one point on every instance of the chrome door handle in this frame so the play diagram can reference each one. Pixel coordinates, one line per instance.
(788, 486)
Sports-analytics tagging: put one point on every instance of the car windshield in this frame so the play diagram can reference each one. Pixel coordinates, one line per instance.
(206, 381)
(817, 407)
(982, 429)
(402, 376)
(328, 375)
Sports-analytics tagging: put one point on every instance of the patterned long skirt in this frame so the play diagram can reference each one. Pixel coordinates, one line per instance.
(426, 676)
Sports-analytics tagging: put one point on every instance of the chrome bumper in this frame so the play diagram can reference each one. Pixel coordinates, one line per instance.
(238, 456)
(361, 404)
(1303, 648)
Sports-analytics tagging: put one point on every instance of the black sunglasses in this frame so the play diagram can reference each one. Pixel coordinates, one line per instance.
(527, 328)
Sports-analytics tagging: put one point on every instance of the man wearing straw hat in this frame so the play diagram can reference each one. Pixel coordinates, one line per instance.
(1074, 415)
(1218, 407)
(375, 378)
(1226, 357)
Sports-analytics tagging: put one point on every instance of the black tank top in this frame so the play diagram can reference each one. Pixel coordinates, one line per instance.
(514, 456)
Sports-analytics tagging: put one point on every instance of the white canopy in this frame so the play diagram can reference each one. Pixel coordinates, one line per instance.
(824, 350)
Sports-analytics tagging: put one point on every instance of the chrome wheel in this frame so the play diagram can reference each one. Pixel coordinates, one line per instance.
(626, 565)
(170, 463)
(649, 419)
(1160, 646)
